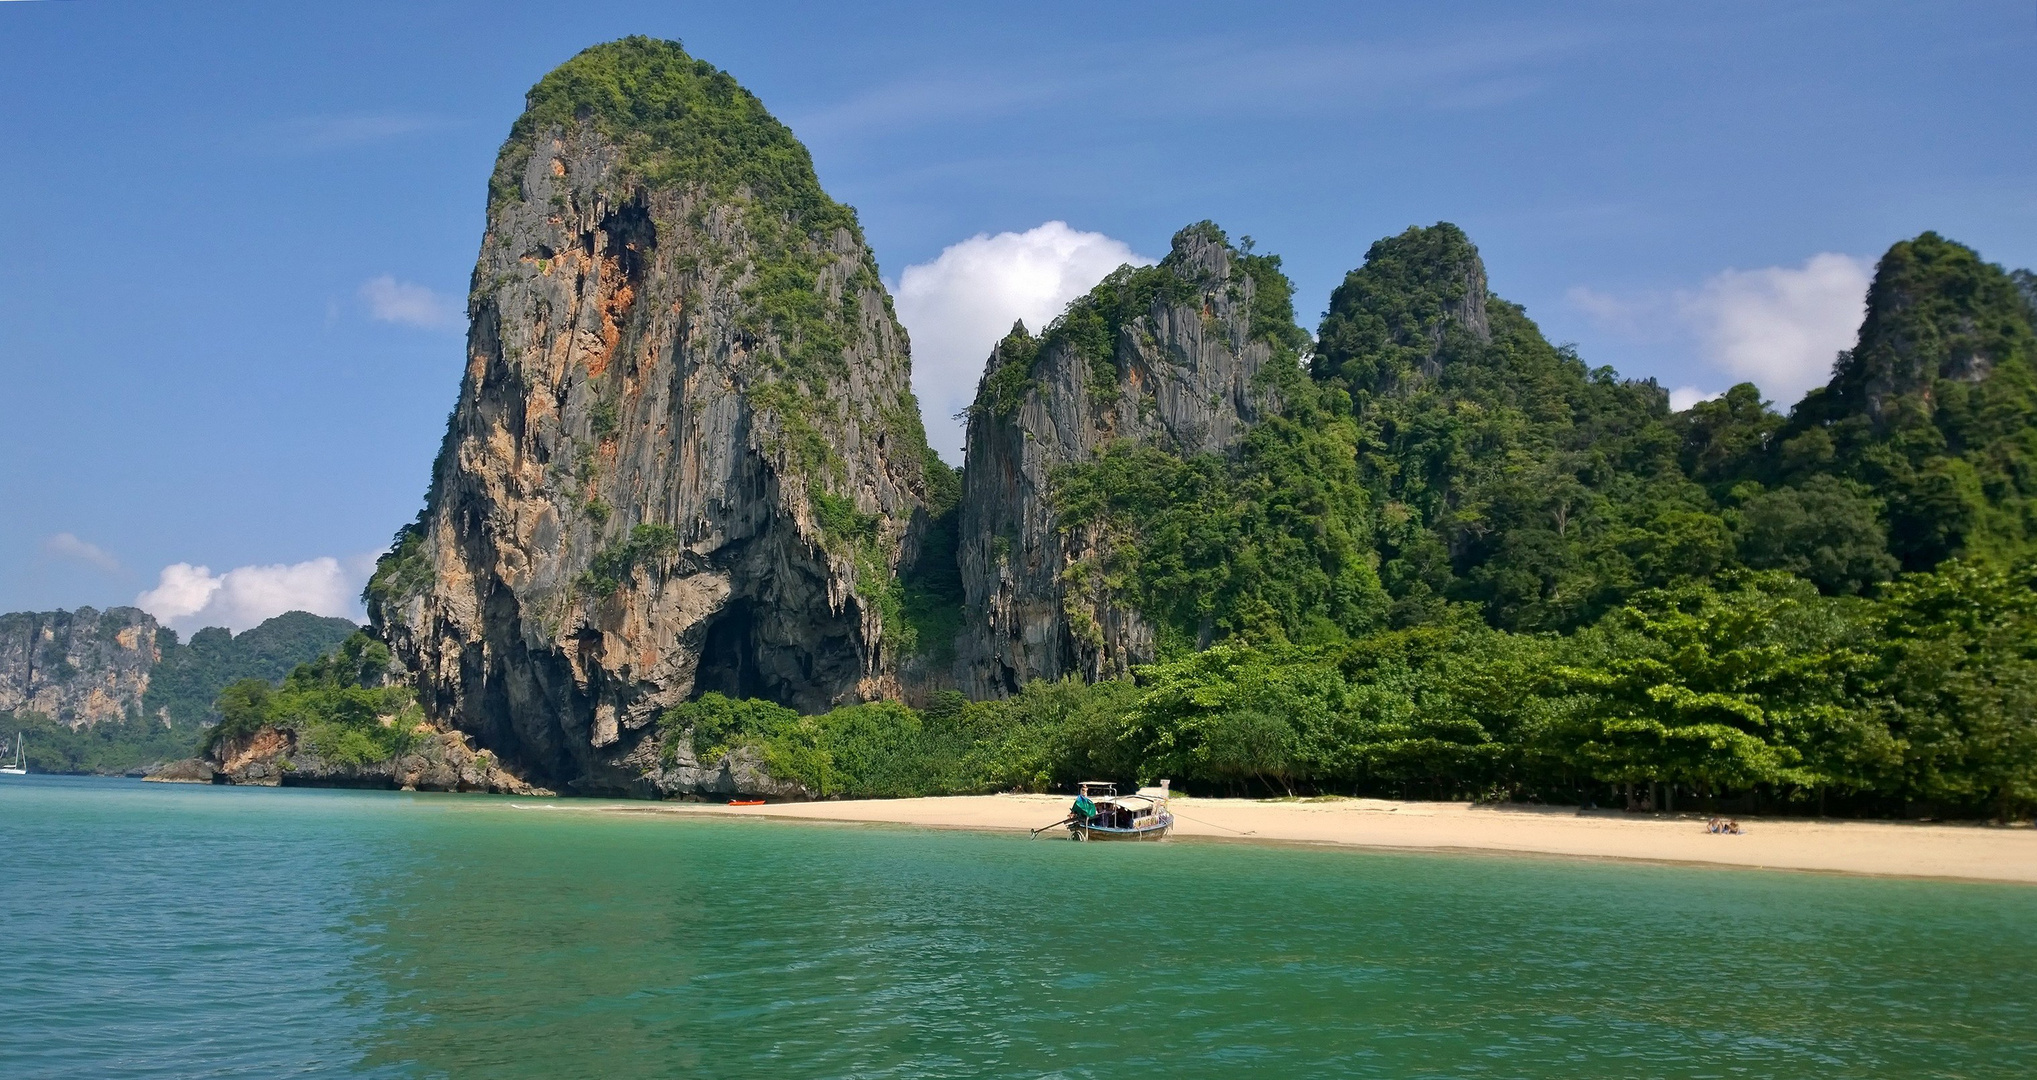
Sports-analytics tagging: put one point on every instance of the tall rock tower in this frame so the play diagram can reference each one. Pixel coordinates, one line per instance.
(686, 455)
(1166, 356)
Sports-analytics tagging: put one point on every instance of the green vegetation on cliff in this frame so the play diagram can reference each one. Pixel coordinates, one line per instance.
(1933, 413)
(188, 678)
(1753, 691)
(1271, 543)
(679, 122)
(930, 587)
(336, 705)
(1508, 474)
(1457, 560)
(184, 686)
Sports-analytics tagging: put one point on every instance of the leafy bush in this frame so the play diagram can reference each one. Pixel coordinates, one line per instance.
(1757, 687)
(335, 705)
(403, 571)
(882, 749)
(646, 543)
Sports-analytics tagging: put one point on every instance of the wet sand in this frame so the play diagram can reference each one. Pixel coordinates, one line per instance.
(1903, 849)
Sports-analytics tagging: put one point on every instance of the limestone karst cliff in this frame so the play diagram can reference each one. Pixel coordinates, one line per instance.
(1167, 356)
(1933, 407)
(114, 691)
(685, 456)
(76, 667)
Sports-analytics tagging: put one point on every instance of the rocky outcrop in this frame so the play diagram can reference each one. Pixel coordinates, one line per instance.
(449, 761)
(1162, 356)
(1937, 316)
(276, 757)
(76, 667)
(685, 457)
(674, 772)
(1417, 304)
(182, 771)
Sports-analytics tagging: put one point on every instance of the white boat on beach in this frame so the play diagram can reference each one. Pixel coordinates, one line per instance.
(1100, 813)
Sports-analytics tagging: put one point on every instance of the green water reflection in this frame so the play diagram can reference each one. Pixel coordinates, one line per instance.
(557, 942)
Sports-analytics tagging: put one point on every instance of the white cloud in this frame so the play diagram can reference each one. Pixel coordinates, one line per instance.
(188, 597)
(960, 305)
(1683, 397)
(390, 300)
(67, 546)
(1778, 327)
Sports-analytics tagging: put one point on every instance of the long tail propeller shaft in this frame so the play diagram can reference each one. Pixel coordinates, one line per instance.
(1044, 828)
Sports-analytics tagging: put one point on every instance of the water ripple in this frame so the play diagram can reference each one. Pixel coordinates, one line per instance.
(217, 932)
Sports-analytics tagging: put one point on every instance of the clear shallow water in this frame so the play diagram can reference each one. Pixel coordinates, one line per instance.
(182, 931)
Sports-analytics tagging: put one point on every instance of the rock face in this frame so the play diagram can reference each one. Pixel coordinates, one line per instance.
(449, 761)
(738, 773)
(76, 667)
(1161, 356)
(686, 456)
(274, 757)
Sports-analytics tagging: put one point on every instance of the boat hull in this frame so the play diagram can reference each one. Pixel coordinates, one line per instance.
(1156, 831)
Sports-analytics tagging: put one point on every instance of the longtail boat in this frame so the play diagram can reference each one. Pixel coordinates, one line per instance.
(1100, 813)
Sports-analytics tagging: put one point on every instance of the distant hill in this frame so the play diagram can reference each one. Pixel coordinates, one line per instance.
(190, 675)
(111, 691)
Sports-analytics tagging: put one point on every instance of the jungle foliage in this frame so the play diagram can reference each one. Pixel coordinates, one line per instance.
(1753, 689)
(678, 120)
(183, 691)
(336, 705)
(188, 676)
(1456, 560)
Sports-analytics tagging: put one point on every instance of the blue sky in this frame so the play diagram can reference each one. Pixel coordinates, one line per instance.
(237, 234)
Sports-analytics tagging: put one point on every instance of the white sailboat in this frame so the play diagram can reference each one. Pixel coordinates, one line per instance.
(20, 765)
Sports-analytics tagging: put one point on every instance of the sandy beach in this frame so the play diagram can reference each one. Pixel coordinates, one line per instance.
(1902, 849)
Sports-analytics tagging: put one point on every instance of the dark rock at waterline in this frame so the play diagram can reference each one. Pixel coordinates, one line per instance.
(187, 771)
(277, 757)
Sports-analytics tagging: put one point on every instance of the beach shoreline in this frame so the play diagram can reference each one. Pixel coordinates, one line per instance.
(1934, 851)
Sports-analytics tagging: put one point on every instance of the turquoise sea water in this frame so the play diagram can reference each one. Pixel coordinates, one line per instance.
(153, 930)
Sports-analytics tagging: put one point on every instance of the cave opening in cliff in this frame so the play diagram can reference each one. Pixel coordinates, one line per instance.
(630, 235)
(728, 655)
(752, 649)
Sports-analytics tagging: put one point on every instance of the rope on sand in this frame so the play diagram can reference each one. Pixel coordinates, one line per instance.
(1214, 825)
